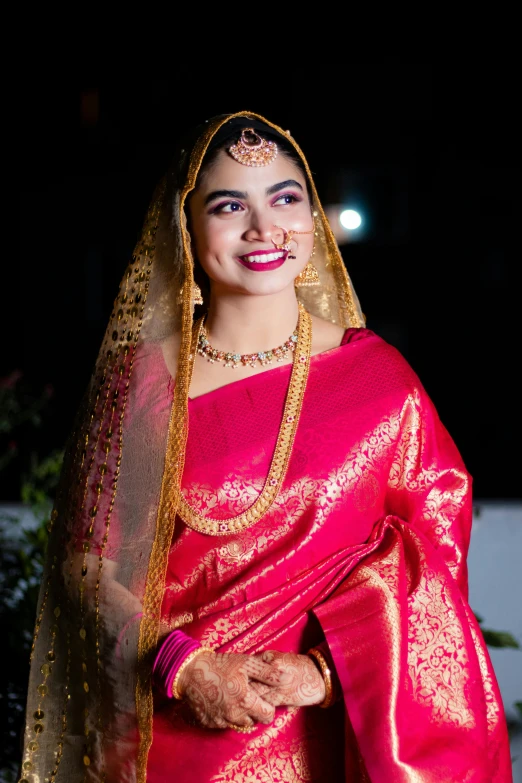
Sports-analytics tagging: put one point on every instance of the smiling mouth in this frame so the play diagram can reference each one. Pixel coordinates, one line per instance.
(264, 257)
(263, 260)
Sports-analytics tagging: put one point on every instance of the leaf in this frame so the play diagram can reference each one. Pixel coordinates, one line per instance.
(499, 639)
(518, 706)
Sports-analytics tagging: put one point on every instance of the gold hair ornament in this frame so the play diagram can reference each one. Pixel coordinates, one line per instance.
(252, 150)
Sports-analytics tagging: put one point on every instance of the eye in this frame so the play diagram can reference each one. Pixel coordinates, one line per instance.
(227, 207)
(286, 198)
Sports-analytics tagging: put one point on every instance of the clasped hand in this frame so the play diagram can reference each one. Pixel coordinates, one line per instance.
(225, 688)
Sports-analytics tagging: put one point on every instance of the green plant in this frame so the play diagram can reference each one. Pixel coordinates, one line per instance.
(497, 638)
(23, 543)
(22, 555)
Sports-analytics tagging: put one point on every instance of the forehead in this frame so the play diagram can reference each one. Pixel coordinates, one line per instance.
(225, 173)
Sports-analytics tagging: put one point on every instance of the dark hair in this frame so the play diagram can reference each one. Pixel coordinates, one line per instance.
(229, 134)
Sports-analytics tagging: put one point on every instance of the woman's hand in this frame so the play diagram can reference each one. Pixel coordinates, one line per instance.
(301, 682)
(218, 689)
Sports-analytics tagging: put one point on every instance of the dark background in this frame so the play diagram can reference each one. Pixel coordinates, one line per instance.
(427, 152)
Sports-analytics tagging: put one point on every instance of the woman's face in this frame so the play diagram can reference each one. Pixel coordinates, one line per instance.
(237, 215)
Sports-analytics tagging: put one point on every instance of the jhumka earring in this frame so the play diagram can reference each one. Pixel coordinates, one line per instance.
(197, 296)
(309, 276)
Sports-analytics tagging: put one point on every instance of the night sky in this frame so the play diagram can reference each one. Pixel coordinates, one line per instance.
(427, 153)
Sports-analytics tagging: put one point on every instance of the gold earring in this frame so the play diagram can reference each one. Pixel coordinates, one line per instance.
(197, 296)
(309, 276)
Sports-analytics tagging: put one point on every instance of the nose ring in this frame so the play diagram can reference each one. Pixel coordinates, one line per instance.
(287, 238)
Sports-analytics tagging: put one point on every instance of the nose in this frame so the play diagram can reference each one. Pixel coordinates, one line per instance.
(260, 228)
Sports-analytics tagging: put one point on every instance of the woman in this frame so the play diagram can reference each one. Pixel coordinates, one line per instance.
(257, 567)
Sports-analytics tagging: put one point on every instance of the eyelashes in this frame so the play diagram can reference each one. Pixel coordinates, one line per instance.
(230, 207)
(293, 198)
(221, 207)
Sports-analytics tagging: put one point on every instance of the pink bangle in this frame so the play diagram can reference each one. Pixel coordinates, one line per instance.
(176, 647)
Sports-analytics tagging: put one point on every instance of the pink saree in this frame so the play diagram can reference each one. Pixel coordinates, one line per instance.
(365, 547)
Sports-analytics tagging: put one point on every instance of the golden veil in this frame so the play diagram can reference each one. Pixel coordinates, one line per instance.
(98, 618)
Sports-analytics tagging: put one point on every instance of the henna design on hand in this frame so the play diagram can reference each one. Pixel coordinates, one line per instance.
(218, 689)
(301, 682)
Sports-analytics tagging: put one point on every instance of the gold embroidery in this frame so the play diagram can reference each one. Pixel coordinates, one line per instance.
(325, 495)
(492, 705)
(437, 656)
(269, 758)
(180, 620)
(444, 496)
(225, 500)
(405, 472)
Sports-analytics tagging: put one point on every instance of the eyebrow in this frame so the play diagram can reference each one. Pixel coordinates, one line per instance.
(287, 183)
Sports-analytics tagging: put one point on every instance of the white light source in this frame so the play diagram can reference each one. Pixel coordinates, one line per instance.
(350, 219)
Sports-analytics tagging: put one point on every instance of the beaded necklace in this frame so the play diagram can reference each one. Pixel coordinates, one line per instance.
(283, 448)
(246, 359)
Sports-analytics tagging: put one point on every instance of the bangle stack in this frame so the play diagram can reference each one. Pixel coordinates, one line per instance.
(187, 660)
(327, 676)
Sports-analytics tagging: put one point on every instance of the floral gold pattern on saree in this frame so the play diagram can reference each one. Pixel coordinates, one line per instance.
(283, 449)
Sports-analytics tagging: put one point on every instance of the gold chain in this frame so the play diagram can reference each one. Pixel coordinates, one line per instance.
(285, 440)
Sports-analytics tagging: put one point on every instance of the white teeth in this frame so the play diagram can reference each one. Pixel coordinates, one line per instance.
(264, 258)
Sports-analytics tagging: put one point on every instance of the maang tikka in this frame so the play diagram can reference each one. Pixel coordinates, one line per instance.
(252, 150)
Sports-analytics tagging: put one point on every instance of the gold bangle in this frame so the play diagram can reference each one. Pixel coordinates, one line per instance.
(327, 676)
(190, 656)
(241, 729)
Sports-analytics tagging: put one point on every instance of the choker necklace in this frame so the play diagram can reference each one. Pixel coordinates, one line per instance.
(283, 448)
(236, 359)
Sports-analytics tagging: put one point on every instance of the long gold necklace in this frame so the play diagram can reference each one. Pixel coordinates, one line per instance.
(285, 439)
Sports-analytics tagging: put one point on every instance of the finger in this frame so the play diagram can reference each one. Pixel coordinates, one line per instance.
(219, 722)
(209, 720)
(259, 708)
(262, 671)
(260, 687)
(238, 717)
(270, 695)
(277, 661)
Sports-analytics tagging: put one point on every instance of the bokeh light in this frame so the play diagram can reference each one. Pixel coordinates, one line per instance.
(350, 219)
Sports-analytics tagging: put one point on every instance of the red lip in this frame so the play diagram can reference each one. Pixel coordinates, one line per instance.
(263, 266)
